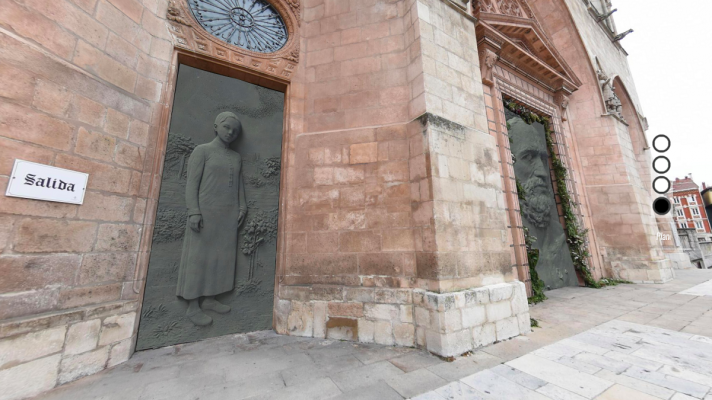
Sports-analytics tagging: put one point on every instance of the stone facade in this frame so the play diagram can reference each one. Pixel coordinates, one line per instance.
(399, 218)
(82, 85)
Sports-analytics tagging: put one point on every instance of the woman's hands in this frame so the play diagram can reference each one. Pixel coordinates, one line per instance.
(195, 222)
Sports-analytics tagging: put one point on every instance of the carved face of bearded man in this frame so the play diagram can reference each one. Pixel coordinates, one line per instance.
(532, 170)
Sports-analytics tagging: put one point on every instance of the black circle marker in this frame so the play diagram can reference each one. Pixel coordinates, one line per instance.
(662, 205)
(655, 140)
(662, 158)
(666, 180)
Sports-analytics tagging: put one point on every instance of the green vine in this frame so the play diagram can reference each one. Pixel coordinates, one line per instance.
(576, 236)
(533, 259)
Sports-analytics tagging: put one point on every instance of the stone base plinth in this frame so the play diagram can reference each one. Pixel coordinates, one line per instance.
(679, 260)
(656, 272)
(447, 324)
(39, 353)
(450, 324)
(367, 315)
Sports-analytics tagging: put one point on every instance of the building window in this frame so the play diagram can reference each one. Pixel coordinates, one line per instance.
(680, 213)
(676, 200)
(698, 225)
(691, 200)
(695, 211)
(682, 225)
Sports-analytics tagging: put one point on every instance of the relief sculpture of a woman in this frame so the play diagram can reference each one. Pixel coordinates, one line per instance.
(215, 198)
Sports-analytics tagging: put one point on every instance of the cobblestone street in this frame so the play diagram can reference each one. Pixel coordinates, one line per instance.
(625, 342)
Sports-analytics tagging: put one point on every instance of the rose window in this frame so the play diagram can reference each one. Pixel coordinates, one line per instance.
(251, 24)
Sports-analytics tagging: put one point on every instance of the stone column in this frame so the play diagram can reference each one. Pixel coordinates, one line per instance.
(469, 294)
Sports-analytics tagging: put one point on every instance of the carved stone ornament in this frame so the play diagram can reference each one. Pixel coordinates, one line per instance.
(174, 13)
(261, 35)
(488, 59)
(613, 103)
(562, 101)
(486, 6)
(514, 8)
(510, 7)
(294, 56)
(294, 4)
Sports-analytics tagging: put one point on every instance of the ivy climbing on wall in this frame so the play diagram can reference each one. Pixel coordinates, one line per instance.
(575, 234)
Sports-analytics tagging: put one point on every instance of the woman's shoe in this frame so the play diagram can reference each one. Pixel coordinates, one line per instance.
(214, 305)
(199, 318)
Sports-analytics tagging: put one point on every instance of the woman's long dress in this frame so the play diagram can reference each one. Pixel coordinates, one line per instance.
(215, 190)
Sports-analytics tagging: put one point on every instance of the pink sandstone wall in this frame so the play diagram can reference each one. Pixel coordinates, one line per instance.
(393, 191)
(82, 85)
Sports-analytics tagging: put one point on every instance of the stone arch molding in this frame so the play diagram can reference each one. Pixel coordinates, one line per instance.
(187, 34)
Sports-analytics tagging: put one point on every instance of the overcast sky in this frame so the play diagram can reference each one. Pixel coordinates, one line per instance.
(669, 54)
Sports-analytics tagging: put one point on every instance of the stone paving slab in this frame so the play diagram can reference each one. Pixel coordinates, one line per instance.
(612, 337)
(664, 364)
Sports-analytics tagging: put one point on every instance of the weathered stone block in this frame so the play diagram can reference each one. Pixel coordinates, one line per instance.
(34, 272)
(340, 328)
(520, 303)
(81, 296)
(474, 316)
(404, 334)
(450, 321)
(82, 337)
(22, 123)
(499, 311)
(484, 335)
(393, 296)
(16, 385)
(319, 308)
(301, 319)
(420, 338)
(406, 314)
(524, 322)
(120, 352)
(117, 328)
(422, 317)
(28, 303)
(449, 344)
(116, 237)
(95, 145)
(366, 330)
(500, 292)
(75, 367)
(507, 328)
(106, 267)
(383, 332)
(281, 314)
(31, 346)
(363, 153)
(54, 236)
(346, 309)
(98, 206)
(381, 311)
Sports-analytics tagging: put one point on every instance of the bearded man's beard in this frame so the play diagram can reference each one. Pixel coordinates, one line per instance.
(537, 207)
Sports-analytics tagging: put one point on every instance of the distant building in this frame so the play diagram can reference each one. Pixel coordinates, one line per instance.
(689, 209)
(707, 200)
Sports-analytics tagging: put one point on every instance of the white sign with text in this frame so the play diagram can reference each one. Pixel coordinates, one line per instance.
(44, 182)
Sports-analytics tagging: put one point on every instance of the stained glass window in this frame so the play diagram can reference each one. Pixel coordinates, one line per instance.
(251, 24)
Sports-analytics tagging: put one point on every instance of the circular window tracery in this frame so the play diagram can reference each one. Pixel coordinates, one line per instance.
(250, 24)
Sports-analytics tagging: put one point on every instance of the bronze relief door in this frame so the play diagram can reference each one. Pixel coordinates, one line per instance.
(538, 203)
(213, 253)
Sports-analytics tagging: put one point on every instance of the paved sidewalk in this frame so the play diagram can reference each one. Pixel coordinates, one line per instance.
(605, 343)
(616, 360)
